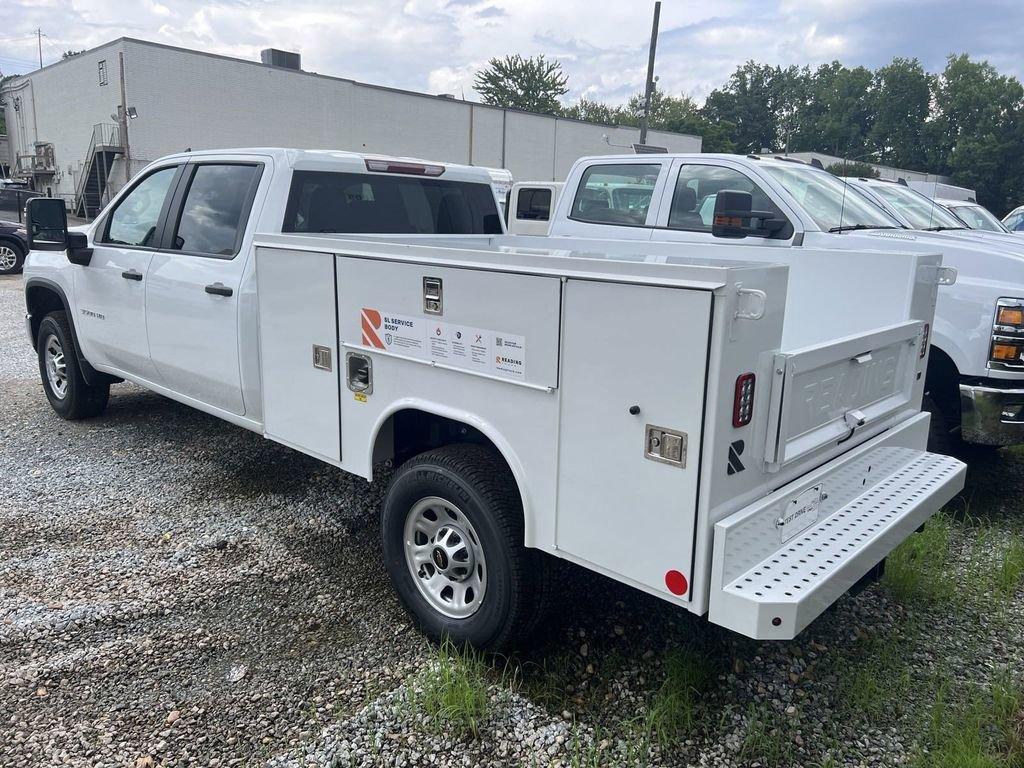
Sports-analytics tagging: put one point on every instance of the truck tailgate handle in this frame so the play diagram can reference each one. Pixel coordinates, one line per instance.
(219, 289)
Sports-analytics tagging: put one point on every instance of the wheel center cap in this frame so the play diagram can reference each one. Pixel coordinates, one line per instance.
(440, 558)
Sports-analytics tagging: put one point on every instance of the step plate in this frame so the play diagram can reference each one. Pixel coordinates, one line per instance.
(781, 594)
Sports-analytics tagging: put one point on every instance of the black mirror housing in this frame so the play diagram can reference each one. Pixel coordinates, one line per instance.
(46, 220)
(79, 251)
(732, 210)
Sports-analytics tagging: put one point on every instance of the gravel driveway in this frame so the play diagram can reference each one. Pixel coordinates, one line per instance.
(178, 591)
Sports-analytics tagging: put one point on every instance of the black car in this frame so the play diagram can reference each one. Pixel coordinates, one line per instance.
(13, 247)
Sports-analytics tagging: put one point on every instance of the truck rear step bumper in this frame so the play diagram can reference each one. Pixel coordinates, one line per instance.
(869, 503)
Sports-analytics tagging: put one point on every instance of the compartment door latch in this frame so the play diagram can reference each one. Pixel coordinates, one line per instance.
(665, 445)
(433, 296)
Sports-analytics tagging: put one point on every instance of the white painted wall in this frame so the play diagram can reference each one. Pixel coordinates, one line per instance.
(190, 99)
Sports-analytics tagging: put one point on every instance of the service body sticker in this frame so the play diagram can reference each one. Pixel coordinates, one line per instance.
(799, 513)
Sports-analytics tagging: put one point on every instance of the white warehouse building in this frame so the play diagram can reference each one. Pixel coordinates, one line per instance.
(65, 127)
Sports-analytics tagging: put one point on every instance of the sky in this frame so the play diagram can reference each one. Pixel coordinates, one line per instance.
(437, 45)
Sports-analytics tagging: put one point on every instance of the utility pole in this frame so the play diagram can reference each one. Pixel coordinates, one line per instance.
(124, 122)
(39, 40)
(649, 91)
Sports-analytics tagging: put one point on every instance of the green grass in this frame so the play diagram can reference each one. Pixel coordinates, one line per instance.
(452, 691)
(873, 681)
(1010, 572)
(984, 731)
(917, 571)
(767, 740)
(674, 709)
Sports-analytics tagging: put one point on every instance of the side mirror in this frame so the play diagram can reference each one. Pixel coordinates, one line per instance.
(47, 223)
(79, 251)
(733, 216)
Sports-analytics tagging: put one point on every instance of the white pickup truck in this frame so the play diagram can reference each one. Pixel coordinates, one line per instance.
(740, 438)
(975, 379)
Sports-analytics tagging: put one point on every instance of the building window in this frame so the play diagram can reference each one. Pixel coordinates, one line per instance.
(103, 71)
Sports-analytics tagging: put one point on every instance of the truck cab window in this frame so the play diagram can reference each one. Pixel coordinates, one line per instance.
(533, 204)
(697, 188)
(134, 220)
(212, 213)
(615, 194)
(361, 203)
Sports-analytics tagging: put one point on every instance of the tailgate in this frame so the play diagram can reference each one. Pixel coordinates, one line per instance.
(825, 392)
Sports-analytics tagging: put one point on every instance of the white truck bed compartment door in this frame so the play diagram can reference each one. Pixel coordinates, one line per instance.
(297, 313)
(620, 511)
(821, 393)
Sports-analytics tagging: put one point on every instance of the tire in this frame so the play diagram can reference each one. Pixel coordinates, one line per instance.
(12, 257)
(486, 588)
(69, 394)
(941, 438)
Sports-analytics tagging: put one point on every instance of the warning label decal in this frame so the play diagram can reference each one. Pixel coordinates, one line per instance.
(461, 346)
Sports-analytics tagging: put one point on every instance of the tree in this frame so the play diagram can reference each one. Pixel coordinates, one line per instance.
(901, 95)
(3, 117)
(533, 83)
(69, 54)
(593, 112)
(854, 170)
(838, 115)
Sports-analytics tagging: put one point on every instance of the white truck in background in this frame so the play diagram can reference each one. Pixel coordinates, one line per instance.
(975, 378)
(739, 437)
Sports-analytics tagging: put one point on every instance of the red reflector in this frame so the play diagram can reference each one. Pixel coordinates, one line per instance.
(412, 169)
(925, 338)
(676, 583)
(743, 400)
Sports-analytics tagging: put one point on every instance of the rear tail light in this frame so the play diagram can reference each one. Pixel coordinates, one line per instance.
(743, 400)
(412, 169)
(926, 335)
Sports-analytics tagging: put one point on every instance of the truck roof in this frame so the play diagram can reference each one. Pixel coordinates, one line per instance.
(337, 160)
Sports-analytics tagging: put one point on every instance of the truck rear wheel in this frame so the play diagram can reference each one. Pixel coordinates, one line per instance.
(452, 526)
(69, 394)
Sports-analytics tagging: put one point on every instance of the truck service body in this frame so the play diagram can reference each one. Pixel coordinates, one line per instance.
(733, 435)
(975, 386)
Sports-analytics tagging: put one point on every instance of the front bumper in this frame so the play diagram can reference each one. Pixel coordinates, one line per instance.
(991, 416)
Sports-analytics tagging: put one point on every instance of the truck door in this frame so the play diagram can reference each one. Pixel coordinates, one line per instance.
(688, 203)
(110, 292)
(194, 283)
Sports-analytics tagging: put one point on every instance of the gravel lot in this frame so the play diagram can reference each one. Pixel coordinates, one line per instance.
(178, 591)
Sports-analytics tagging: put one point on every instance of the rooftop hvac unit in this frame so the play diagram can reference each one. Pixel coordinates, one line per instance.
(274, 57)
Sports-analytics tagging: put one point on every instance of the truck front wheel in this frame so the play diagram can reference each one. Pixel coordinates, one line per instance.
(69, 394)
(452, 526)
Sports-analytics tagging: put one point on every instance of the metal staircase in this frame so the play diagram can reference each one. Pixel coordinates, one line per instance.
(90, 192)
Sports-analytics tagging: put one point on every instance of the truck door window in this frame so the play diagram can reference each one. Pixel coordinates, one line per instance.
(533, 204)
(212, 215)
(389, 204)
(134, 220)
(697, 187)
(615, 194)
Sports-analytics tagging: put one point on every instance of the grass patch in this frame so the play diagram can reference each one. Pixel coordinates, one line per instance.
(918, 569)
(673, 712)
(1010, 572)
(767, 740)
(874, 680)
(986, 731)
(452, 690)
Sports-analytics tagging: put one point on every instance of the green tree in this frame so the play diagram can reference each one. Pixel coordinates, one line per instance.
(531, 83)
(854, 170)
(838, 114)
(593, 112)
(901, 96)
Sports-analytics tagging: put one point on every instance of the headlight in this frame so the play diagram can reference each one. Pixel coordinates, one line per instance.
(1008, 335)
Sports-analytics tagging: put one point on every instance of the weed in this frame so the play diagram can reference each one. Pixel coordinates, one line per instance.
(982, 732)
(1010, 573)
(452, 690)
(916, 571)
(874, 679)
(767, 739)
(673, 712)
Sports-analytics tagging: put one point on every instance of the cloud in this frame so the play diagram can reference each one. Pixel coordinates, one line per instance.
(437, 45)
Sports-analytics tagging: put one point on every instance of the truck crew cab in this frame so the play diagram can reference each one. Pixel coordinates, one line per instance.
(975, 377)
(734, 436)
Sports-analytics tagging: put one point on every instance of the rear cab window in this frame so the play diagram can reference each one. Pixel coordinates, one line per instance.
(533, 204)
(615, 194)
(368, 203)
(215, 209)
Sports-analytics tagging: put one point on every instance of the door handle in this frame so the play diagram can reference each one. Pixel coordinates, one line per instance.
(219, 289)
(131, 274)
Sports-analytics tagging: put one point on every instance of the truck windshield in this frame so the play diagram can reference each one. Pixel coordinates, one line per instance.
(834, 206)
(365, 203)
(919, 210)
(978, 217)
